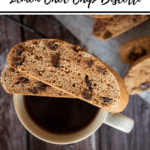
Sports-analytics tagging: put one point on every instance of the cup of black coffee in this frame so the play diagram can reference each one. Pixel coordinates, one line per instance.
(65, 120)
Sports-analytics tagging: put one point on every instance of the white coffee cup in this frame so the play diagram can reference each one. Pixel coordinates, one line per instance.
(117, 121)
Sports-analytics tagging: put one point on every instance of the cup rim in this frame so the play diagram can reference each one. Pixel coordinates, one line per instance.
(26, 120)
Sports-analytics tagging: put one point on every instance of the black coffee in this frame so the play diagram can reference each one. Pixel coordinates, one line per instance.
(60, 115)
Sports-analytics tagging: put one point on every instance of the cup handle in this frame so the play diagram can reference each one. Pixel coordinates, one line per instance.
(120, 122)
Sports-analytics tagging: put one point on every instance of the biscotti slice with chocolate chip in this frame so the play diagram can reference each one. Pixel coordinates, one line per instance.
(134, 49)
(137, 78)
(106, 28)
(70, 69)
(15, 82)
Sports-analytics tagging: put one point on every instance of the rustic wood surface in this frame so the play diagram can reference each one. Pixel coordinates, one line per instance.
(13, 134)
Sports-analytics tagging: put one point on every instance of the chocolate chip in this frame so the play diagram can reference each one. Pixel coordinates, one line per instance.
(79, 55)
(19, 50)
(52, 45)
(148, 16)
(17, 61)
(78, 60)
(87, 80)
(55, 60)
(39, 82)
(106, 99)
(107, 35)
(34, 90)
(90, 88)
(143, 52)
(145, 86)
(90, 63)
(111, 19)
(134, 56)
(87, 94)
(17, 82)
(12, 69)
(23, 80)
(98, 26)
(38, 57)
(73, 84)
(75, 48)
(41, 86)
(134, 20)
(101, 70)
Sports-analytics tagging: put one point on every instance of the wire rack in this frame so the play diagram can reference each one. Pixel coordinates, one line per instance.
(24, 27)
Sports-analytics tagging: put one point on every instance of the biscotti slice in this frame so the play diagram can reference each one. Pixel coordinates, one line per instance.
(101, 16)
(134, 49)
(137, 78)
(70, 69)
(15, 82)
(106, 28)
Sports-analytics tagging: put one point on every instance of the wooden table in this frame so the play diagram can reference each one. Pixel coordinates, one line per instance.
(13, 136)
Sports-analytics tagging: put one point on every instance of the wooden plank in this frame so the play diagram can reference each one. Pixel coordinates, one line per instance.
(52, 30)
(11, 130)
(49, 28)
(86, 144)
(139, 138)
